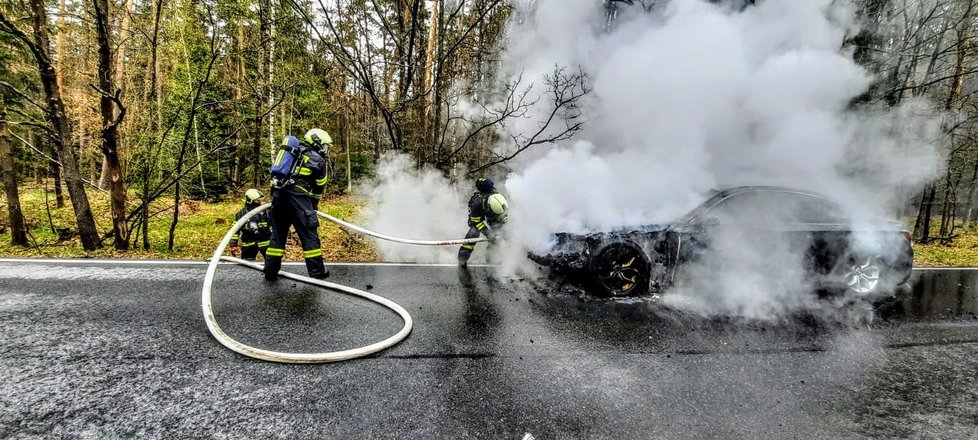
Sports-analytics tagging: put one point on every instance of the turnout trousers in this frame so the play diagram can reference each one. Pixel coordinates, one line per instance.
(465, 251)
(250, 252)
(294, 210)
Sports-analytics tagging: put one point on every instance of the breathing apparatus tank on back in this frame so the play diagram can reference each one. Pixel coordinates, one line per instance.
(286, 162)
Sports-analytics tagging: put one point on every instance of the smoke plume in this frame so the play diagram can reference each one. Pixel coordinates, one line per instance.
(412, 203)
(691, 96)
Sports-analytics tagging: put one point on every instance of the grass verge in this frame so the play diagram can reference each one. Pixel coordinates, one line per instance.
(962, 252)
(200, 228)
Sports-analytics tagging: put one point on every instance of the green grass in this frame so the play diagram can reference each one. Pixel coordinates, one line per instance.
(963, 251)
(200, 229)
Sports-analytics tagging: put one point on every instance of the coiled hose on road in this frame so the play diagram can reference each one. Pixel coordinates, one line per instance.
(308, 358)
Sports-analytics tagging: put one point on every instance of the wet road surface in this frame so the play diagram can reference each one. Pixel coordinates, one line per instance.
(120, 350)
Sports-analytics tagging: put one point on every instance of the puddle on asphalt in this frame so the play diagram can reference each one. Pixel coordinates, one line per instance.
(938, 294)
(934, 295)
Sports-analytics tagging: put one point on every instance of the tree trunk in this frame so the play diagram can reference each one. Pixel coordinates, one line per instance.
(87, 230)
(263, 33)
(110, 125)
(256, 146)
(924, 215)
(18, 235)
(345, 139)
(435, 138)
(59, 46)
(171, 237)
(153, 100)
(921, 230)
(241, 157)
(269, 91)
(105, 177)
(947, 214)
(178, 172)
(429, 65)
(970, 201)
(120, 54)
(59, 197)
(59, 192)
(947, 209)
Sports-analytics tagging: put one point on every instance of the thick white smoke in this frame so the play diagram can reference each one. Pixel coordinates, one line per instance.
(698, 95)
(412, 203)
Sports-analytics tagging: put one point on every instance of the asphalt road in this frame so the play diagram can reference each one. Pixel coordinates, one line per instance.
(120, 350)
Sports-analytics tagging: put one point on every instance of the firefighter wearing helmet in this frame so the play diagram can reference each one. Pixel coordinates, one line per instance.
(254, 236)
(295, 200)
(487, 214)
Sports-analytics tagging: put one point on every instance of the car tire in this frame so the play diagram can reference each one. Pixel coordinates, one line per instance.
(862, 276)
(620, 269)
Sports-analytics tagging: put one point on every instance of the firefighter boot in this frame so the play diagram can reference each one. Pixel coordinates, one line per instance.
(272, 266)
(316, 268)
(463, 255)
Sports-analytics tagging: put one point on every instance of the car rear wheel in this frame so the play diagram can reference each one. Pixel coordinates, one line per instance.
(620, 269)
(861, 275)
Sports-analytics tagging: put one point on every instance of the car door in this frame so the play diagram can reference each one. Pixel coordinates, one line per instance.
(735, 227)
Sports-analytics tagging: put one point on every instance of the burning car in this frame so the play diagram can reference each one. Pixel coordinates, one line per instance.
(836, 253)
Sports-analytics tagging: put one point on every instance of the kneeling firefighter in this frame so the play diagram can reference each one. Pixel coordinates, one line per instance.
(299, 175)
(255, 235)
(487, 214)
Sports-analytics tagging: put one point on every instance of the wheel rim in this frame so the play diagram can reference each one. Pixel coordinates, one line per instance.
(862, 274)
(620, 269)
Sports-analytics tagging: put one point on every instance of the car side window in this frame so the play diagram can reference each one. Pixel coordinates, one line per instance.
(772, 207)
(817, 210)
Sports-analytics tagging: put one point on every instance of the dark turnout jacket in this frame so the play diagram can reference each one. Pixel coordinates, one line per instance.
(311, 176)
(257, 229)
(479, 213)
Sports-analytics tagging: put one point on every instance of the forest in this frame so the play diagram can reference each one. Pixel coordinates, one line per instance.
(154, 102)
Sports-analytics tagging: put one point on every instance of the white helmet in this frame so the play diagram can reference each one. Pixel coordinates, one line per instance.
(318, 138)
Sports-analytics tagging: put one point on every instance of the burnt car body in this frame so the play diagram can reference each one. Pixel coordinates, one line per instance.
(652, 258)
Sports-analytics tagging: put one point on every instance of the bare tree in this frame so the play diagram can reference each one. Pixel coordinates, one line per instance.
(194, 108)
(18, 234)
(561, 121)
(109, 102)
(60, 132)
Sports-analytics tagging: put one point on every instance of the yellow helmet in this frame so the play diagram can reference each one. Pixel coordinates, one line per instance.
(252, 195)
(498, 204)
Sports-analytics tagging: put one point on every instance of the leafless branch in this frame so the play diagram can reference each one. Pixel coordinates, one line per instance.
(515, 105)
(118, 102)
(566, 92)
(23, 95)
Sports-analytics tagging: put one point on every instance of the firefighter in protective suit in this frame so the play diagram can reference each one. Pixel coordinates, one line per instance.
(487, 214)
(254, 236)
(294, 204)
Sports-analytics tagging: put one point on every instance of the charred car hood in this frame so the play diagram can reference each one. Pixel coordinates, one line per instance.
(572, 250)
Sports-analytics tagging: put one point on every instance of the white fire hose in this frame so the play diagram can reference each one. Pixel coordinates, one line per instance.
(307, 358)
